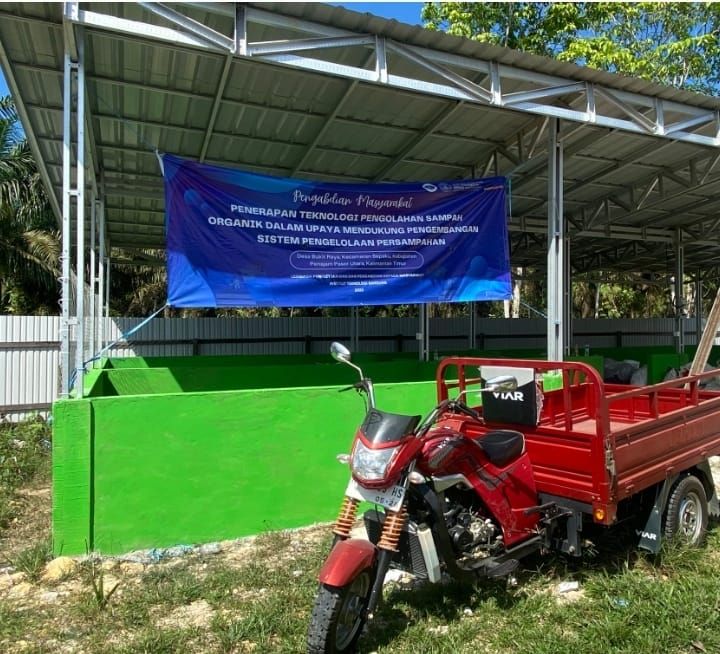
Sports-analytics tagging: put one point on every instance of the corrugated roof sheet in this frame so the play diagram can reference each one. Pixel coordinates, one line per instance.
(146, 94)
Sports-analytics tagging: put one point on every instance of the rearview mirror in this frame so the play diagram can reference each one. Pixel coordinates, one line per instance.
(500, 384)
(339, 352)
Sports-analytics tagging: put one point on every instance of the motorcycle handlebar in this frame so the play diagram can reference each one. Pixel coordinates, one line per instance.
(452, 405)
(464, 408)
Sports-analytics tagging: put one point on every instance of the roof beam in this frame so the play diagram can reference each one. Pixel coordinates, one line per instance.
(70, 29)
(671, 216)
(139, 29)
(612, 232)
(612, 167)
(638, 118)
(222, 84)
(148, 241)
(328, 122)
(255, 105)
(510, 99)
(686, 188)
(112, 147)
(325, 127)
(188, 25)
(439, 119)
(300, 45)
(457, 86)
(137, 228)
(527, 170)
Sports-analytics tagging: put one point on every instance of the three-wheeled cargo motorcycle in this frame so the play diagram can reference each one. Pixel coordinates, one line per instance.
(468, 491)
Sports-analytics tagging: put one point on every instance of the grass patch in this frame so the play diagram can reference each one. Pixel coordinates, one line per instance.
(171, 586)
(32, 559)
(24, 453)
(273, 543)
(259, 600)
(155, 641)
(11, 622)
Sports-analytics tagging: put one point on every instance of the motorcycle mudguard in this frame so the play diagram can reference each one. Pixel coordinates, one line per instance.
(347, 559)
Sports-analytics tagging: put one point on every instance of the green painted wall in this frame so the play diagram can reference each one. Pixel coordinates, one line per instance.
(72, 454)
(152, 471)
(161, 451)
(252, 360)
(204, 377)
(191, 374)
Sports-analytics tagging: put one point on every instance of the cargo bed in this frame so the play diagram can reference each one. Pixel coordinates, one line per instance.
(590, 442)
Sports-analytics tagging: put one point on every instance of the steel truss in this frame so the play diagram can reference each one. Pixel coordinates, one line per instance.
(639, 113)
(553, 104)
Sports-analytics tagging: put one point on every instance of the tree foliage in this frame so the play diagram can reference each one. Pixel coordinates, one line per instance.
(29, 241)
(673, 43)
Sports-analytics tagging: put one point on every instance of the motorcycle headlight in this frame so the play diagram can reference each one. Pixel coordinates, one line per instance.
(371, 464)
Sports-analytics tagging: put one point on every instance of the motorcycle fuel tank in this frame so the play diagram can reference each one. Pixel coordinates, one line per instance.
(507, 490)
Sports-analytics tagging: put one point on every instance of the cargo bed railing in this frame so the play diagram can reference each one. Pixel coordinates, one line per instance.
(658, 400)
(581, 396)
(584, 396)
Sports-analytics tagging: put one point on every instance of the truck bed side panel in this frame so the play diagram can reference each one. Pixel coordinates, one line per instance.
(599, 443)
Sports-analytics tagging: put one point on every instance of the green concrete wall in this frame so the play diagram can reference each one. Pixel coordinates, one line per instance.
(252, 360)
(159, 470)
(140, 376)
(163, 451)
(204, 377)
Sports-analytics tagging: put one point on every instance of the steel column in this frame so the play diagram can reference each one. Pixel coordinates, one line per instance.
(556, 293)
(80, 219)
(106, 329)
(567, 298)
(698, 308)
(65, 297)
(472, 342)
(102, 298)
(679, 311)
(423, 336)
(93, 274)
(355, 329)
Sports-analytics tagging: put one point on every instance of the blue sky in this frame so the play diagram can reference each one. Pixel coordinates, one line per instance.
(405, 12)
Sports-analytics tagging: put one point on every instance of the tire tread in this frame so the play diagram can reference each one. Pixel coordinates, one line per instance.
(321, 638)
(678, 492)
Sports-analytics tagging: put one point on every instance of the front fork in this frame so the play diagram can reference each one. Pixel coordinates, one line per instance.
(387, 545)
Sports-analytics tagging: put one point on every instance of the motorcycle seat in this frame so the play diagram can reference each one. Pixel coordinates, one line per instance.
(502, 446)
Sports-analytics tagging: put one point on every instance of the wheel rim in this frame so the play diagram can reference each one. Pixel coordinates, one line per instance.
(350, 615)
(690, 513)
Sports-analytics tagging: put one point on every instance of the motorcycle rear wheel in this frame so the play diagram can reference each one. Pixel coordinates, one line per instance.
(338, 616)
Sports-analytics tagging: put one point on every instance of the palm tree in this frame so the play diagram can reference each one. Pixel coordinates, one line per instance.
(29, 240)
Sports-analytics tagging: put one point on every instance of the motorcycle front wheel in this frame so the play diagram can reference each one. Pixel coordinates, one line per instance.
(338, 616)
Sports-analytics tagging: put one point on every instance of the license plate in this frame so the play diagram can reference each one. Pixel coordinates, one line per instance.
(390, 498)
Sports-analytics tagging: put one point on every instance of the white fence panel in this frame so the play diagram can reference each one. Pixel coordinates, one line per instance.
(29, 345)
(29, 362)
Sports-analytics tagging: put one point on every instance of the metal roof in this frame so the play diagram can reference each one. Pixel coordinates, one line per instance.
(320, 92)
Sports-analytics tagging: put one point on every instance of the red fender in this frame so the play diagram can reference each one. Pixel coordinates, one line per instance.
(347, 559)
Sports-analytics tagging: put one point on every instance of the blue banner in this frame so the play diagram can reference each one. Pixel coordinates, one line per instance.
(241, 239)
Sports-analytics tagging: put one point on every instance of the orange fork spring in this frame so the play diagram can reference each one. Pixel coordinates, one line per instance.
(346, 517)
(394, 522)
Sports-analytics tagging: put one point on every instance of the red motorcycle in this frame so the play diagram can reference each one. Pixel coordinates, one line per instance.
(445, 503)
(460, 494)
